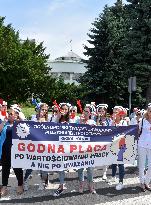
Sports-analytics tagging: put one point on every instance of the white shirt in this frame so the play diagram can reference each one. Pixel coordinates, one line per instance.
(134, 121)
(33, 118)
(122, 123)
(54, 119)
(90, 122)
(76, 120)
(2, 117)
(145, 137)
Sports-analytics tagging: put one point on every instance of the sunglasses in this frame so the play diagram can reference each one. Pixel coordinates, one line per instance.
(72, 110)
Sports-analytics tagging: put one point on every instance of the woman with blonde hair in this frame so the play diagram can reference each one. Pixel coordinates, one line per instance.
(42, 116)
(144, 150)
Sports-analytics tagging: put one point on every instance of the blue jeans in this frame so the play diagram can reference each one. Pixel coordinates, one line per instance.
(121, 171)
(89, 174)
(61, 176)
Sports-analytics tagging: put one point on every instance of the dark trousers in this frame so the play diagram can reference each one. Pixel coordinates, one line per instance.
(6, 172)
(6, 166)
(121, 171)
(27, 174)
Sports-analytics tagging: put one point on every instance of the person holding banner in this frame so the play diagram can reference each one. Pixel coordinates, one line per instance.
(5, 155)
(73, 115)
(55, 114)
(103, 120)
(144, 150)
(42, 116)
(118, 114)
(86, 119)
(64, 118)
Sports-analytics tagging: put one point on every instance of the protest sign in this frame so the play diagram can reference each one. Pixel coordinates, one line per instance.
(54, 147)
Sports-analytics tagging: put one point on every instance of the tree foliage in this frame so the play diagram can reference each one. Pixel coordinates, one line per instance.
(137, 50)
(120, 48)
(104, 79)
(23, 65)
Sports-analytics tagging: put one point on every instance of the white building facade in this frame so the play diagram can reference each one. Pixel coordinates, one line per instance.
(70, 67)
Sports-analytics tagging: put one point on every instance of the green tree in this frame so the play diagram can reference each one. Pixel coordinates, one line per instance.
(105, 80)
(65, 92)
(9, 41)
(23, 66)
(35, 72)
(137, 49)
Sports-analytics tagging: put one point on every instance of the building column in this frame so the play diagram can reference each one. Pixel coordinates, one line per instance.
(71, 78)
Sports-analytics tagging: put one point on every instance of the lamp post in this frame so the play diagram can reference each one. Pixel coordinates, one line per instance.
(131, 88)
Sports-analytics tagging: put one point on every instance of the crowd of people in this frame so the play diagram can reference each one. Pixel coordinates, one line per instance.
(96, 115)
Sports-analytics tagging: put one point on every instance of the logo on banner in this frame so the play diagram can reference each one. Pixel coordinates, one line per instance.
(120, 145)
(23, 130)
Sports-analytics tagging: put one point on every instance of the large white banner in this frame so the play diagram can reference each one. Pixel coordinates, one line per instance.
(55, 146)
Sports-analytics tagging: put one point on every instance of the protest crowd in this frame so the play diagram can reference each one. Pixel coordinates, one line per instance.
(93, 115)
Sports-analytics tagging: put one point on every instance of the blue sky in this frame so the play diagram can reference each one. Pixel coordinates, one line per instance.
(55, 22)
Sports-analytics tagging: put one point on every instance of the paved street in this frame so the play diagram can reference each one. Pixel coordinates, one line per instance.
(106, 194)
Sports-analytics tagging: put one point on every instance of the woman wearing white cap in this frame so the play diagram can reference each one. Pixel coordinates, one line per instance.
(103, 120)
(55, 114)
(73, 115)
(42, 116)
(85, 119)
(64, 118)
(118, 114)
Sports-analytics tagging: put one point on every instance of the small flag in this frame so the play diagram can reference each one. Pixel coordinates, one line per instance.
(79, 104)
